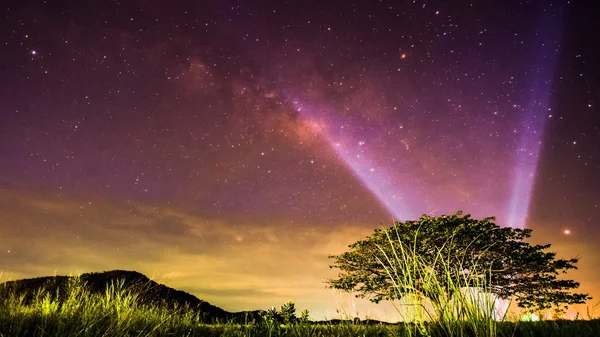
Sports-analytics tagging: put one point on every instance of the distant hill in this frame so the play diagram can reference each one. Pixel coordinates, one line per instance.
(149, 292)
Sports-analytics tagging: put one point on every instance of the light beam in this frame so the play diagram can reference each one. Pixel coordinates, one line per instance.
(353, 152)
(534, 120)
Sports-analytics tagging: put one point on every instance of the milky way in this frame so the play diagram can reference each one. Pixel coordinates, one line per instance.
(234, 146)
(355, 154)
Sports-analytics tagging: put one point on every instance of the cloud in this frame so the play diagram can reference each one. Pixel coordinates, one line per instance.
(231, 263)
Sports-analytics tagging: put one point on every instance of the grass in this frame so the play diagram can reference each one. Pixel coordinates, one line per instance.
(116, 312)
(444, 291)
(449, 310)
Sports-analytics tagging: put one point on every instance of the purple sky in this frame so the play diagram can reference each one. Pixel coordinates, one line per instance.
(236, 146)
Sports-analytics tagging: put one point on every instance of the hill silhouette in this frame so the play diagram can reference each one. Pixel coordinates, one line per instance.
(148, 292)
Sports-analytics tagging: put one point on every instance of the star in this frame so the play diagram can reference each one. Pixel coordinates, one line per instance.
(330, 118)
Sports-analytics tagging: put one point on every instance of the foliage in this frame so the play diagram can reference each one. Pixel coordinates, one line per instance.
(304, 316)
(118, 312)
(288, 313)
(285, 315)
(458, 249)
(147, 291)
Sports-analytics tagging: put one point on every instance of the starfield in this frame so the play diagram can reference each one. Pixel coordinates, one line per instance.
(232, 150)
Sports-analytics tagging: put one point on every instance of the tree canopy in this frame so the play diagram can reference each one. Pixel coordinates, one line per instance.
(456, 249)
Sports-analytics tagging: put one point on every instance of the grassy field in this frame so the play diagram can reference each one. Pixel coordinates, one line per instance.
(116, 312)
(443, 308)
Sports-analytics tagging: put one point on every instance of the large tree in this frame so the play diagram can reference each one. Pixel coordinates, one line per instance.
(455, 250)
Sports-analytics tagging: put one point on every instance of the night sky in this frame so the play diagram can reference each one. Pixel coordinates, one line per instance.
(225, 147)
